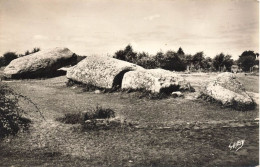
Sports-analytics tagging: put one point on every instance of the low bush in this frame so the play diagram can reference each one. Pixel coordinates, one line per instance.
(90, 114)
(11, 120)
(97, 118)
(7, 58)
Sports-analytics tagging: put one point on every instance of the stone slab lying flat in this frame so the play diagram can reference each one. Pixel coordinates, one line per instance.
(154, 80)
(39, 63)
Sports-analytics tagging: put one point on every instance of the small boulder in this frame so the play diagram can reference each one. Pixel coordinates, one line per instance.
(155, 80)
(177, 94)
(97, 92)
(225, 88)
(42, 63)
(101, 71)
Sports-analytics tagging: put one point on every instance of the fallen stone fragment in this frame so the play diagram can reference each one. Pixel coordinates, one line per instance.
(228, 91)
(97, 91)
(177, 94)
(154, 80)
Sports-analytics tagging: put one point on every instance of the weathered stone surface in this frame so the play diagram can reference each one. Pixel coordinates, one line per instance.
(39, 63)
(154, 80)
(101, 71)
(229, 91)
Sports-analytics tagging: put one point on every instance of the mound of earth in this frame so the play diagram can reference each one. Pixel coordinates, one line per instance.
(229, 91)
(42, 63)
(155, 80)
(101, 71)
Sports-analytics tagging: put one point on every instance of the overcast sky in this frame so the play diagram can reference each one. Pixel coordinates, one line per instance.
(104, 26)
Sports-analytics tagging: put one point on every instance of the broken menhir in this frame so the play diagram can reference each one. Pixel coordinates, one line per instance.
(227, 90)
(155, 80)
(42, 63)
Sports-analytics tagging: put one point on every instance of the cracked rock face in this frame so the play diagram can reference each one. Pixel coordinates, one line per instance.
(154, 80)
(39, 63)
(227, 90)
(101, 71)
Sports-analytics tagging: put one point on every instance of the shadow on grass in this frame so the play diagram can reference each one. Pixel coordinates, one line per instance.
(138, 93)
(39, 75)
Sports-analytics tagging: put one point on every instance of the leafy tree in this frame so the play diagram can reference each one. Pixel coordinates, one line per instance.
(247, 60)
(220, 61)
(146, 61)
(127, 54)
(27, 52)
(173, 62)
(228, 62)
(130, 54)
(257, 59)
(248, 53)
(197, 60)
(120, 55)
(188, 60)
(2, 61)
(206, 63)
(8, 57)
(35, 50)
(142, 55)
(159, 58)
(180, 51)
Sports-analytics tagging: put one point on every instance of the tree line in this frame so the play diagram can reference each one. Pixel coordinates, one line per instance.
(170, 60)
(179, 61)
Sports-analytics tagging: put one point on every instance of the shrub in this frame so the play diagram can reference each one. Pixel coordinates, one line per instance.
(91, 114)
(7, 58)
(72, 118)
(99, 113)
(11, 120)
(127, 54)
(97, 118)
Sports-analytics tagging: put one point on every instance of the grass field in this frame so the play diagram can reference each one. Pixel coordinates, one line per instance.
(168, 132)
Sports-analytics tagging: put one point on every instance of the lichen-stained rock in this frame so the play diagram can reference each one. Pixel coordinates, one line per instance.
(101, 71)
(41, 63)
(155, 80)
(229, 91)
